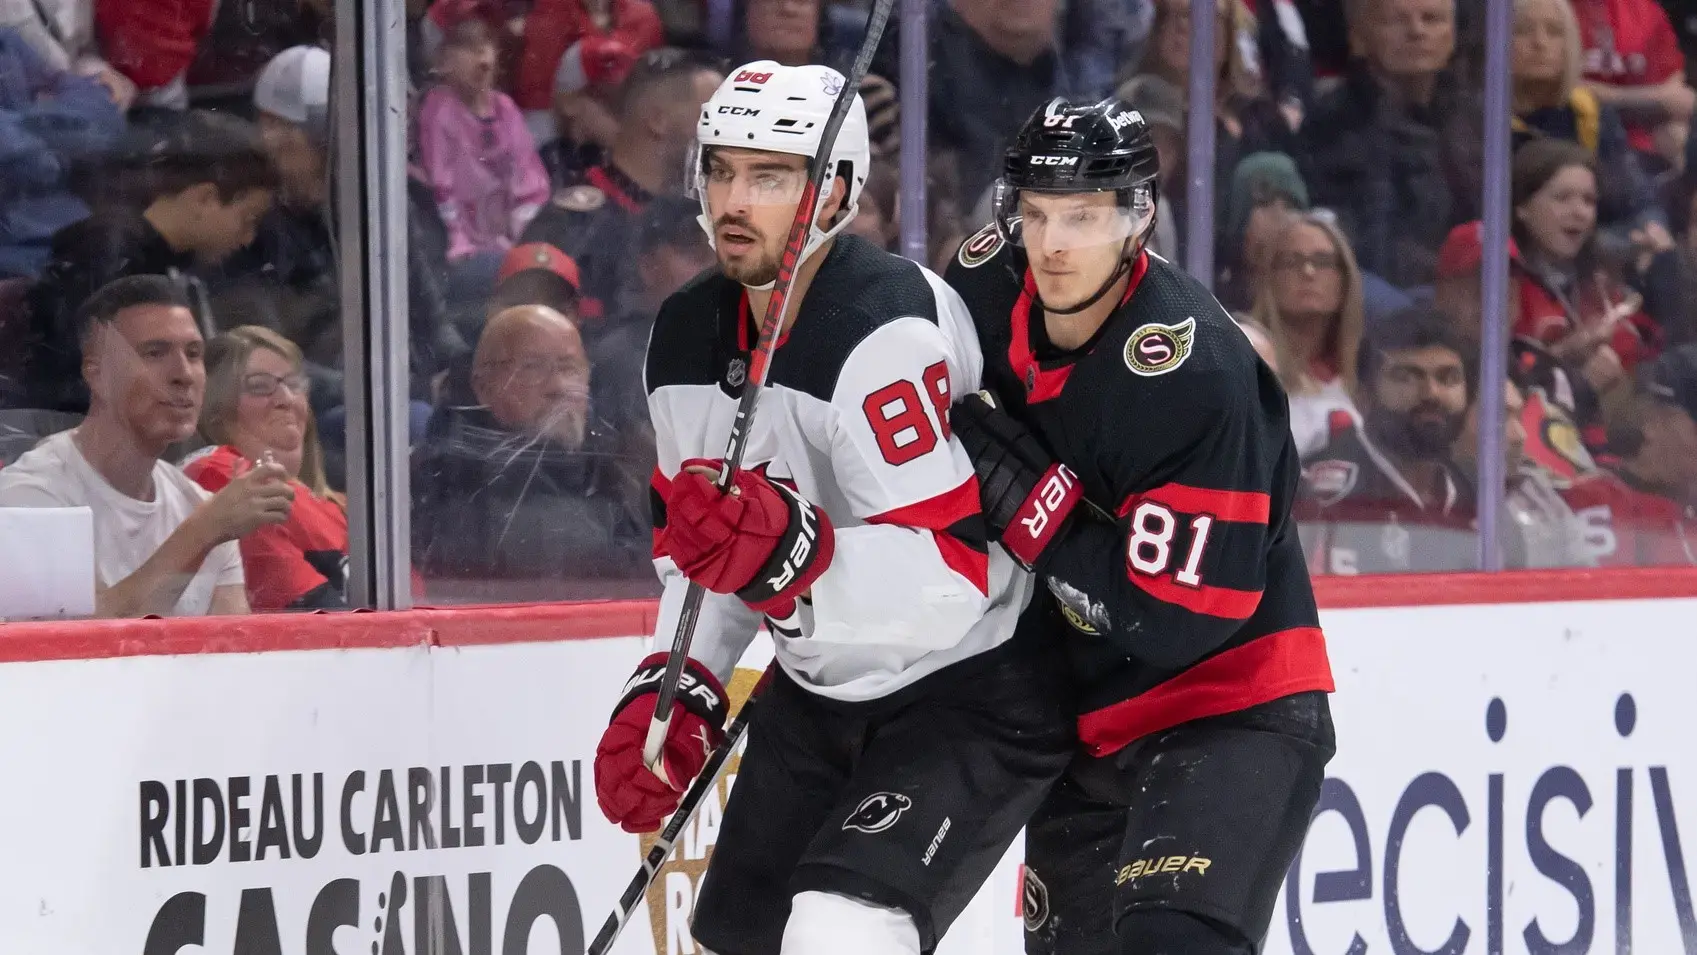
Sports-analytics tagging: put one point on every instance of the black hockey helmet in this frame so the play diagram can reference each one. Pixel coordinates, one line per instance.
(1078, 147)
(1074, 147)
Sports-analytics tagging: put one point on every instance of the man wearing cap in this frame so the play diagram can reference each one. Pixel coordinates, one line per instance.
(537, 273)
(594, 220)
(287, 279)
(1644, 512)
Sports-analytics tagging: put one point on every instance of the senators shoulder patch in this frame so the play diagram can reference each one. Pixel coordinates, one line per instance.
(981, 247)
(1156, 349)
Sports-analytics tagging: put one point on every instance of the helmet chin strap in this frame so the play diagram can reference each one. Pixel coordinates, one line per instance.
(1121, 269)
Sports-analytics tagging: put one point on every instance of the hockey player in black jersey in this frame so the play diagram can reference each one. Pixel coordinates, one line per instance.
(1136, 455)
(906, 736)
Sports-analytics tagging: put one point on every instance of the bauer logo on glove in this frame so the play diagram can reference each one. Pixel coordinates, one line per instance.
(1026, 494)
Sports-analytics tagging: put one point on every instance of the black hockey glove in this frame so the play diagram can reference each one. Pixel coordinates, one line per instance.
(1027, 495)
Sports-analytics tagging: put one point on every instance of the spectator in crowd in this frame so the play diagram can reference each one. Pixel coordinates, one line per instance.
(595, 222)
(1549, 101)
(1570, 299)
(211, 184)
(1633, 63)
(1644, 512)
(50, 119)
(476, 152)
(878, 221)
(1313, 309)
(1391, 148)
(553, 36)
(515, 479)
(152, 42)
(1554, 398)
(993, 64)
(286, 279)
(1378, 481)
(1162, 106)
(797, 32)
(257, 412)
(243, 40)
(162, 544)
(537, 273)
(671, 250)
(62, 32)
(1265, 190)
(1246, 120)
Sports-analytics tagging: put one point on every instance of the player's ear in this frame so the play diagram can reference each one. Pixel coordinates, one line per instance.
(835, 204)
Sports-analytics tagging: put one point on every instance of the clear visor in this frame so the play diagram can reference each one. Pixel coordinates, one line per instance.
(725, 185)
(1055, 221)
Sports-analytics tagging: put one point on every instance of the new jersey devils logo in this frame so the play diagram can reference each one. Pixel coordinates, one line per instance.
(877, 812)
(1156, 349)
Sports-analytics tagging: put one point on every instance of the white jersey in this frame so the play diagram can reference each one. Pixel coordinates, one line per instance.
(855, 416)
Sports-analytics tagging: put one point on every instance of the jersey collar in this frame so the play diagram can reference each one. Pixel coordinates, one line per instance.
(1045, 378)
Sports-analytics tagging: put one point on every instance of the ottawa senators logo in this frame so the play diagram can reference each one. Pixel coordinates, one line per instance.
(877, 812)
(981, 248)
(1156, 349)
(1033, 900)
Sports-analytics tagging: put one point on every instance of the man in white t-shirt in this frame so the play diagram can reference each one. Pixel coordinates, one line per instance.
(162, 545)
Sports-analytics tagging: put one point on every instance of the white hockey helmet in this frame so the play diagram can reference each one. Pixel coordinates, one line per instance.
(783, 109)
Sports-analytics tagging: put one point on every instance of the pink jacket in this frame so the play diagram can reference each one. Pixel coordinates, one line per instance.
(489, 182)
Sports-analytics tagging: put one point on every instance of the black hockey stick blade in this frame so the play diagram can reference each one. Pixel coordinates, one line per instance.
(760, 363)
(704, 784)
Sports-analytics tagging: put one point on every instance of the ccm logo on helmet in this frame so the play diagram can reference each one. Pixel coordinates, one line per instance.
(749, 76)
(1054, 160)
(737, 111)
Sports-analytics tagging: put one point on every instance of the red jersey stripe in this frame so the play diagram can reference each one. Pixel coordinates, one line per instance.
(1214, 601)
(1276, 665)
(937, 515)
(1245, 507)
(965, 560)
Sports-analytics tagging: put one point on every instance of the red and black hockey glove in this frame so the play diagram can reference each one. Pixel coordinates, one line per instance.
(762, 541)
(629, 793)
(1026, 494)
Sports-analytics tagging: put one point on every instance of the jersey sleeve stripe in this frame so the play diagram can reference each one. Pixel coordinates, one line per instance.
(956, 523)
(1224, 602)
(1246, 507)
(1262, 670)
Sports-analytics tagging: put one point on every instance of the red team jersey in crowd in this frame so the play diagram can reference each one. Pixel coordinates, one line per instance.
(293, 565)
(1628, 43)
(1627, 525)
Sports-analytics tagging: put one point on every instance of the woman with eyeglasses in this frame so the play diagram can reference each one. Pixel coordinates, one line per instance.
(256, 409)
(1310, 302)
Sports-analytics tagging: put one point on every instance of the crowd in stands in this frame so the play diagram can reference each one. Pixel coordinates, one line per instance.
(171, 314)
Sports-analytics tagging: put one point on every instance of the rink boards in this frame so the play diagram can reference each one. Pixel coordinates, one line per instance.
(1513, 777)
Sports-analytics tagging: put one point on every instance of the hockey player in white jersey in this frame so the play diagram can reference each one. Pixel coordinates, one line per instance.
(905, 737)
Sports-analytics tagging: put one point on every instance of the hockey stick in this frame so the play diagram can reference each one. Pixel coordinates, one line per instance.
(704, 784)
(759, 364)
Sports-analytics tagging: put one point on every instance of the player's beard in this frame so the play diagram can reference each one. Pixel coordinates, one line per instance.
(755, 267)
(1424, 432)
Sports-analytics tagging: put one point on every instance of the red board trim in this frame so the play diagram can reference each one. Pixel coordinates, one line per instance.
(539, 623)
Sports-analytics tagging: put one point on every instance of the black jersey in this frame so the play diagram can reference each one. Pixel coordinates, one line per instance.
(1193, 600)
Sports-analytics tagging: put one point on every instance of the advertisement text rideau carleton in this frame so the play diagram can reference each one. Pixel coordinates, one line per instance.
(237, 819)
